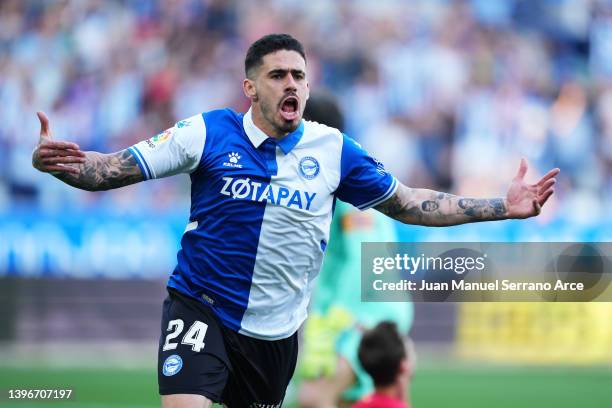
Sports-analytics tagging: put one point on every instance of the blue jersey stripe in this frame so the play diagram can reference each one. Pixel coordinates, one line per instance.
(141, 162)
(144, 162)
(217, 259)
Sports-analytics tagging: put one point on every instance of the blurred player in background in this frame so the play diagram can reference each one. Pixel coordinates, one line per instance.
(263, 188)
(328, 363)
(388, 359)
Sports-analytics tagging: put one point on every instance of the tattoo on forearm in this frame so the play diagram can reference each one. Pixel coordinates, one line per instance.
(401, 207)
(430, 205)
(482, 207)
(426, 207)
(393, 207)
(104, 172)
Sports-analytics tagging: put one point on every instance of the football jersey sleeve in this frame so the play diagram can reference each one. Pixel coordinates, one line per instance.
(364, 182)
(175, 150)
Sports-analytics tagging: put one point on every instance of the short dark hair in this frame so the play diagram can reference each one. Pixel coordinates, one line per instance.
(323, 107)
(381, 352)
(267, 45)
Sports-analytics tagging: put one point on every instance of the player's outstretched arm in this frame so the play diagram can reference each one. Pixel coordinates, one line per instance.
(433, 208)
(90, 171)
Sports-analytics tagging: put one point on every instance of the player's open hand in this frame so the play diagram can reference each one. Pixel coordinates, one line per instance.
(526, 200)
(55, 156)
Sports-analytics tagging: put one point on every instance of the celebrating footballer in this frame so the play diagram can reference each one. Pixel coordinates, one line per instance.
(263, 187)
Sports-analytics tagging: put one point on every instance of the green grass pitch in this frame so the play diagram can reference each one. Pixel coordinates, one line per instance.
(455, 387)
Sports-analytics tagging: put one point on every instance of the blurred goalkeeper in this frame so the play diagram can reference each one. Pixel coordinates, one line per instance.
(329, 365)
(263, 185)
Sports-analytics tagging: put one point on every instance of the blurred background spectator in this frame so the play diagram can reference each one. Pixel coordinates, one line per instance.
(448, 94)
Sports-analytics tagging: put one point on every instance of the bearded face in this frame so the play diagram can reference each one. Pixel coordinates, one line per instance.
(278, 92)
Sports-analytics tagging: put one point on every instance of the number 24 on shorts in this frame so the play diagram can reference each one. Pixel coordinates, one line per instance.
(194, 337)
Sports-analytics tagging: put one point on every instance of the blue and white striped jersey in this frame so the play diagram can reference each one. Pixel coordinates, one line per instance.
(260, 212)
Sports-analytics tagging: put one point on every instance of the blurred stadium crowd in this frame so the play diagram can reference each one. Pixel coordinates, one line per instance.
(448, 94)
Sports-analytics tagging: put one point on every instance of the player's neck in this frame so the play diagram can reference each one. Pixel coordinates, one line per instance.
(264, 125)
(395, 391)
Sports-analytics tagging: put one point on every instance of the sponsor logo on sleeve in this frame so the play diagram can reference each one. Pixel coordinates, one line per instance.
(380, 168)
(159, 138)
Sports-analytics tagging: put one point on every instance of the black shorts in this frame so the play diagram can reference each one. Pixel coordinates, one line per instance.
(198, 355)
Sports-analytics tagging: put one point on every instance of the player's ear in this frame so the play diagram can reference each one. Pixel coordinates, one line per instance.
(405, 367)
(248, 87)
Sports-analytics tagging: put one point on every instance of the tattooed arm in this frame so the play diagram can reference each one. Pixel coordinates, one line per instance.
(103, 171)
(90, 171)
(432, 208)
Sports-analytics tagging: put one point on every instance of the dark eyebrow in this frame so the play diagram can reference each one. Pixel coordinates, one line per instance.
(277, 71)
(284, 71)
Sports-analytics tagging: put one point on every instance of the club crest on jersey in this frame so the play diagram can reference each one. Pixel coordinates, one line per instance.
(233, 161)
(309, 167)
(172, 365)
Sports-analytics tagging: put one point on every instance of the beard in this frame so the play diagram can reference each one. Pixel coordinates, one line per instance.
(287, 127)
(270, 114)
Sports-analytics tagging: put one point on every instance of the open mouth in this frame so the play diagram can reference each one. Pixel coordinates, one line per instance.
(289, 108)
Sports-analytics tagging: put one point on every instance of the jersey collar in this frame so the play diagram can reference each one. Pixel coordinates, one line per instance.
(257, 136)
